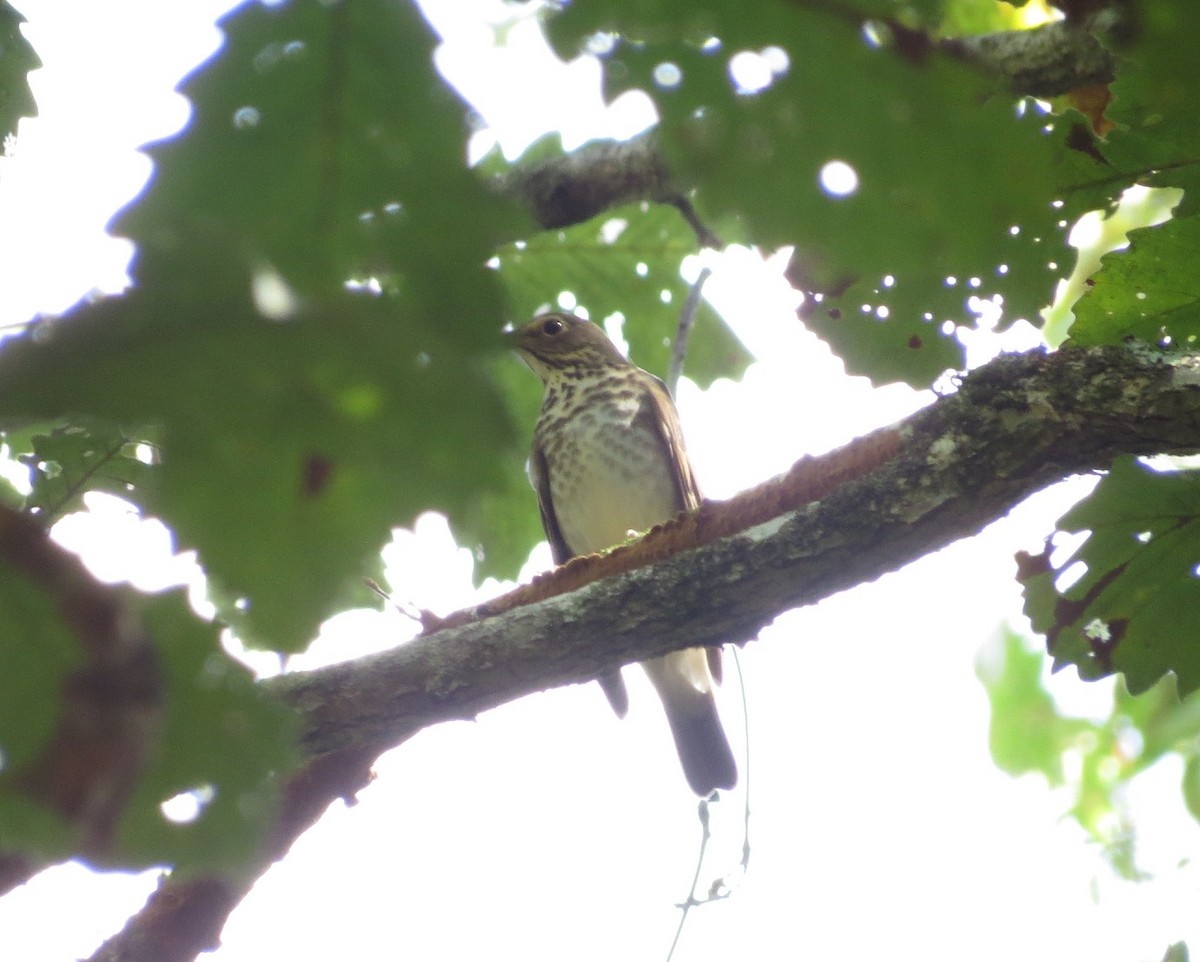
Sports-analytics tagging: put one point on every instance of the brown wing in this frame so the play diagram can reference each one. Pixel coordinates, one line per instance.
(663, 418)
(539, 473)
(660, 416)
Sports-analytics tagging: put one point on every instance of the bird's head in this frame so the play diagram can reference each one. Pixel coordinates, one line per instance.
(561, 345)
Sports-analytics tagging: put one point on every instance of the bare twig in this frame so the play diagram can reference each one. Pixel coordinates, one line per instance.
(683, 332)
(691, 901)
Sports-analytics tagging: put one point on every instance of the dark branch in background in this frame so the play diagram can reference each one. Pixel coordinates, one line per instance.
(575, 187)
(184, 917)
(111, 703)
(1046, 61)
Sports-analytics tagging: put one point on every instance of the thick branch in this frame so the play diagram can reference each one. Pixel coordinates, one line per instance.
(1046, 61)
(184, 917)
(110, 710)
(1015, 425)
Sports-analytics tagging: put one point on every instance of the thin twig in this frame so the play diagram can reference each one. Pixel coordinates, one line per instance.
(691, 900)
(52, 512)
(705, 235)
(745, 863)
(683, 333)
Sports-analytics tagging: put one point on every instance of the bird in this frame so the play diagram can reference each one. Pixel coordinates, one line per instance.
(608, 459)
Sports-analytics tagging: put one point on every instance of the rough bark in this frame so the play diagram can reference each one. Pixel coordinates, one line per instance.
(1014, 426)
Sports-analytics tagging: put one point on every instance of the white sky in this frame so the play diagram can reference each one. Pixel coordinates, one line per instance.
(548, 829)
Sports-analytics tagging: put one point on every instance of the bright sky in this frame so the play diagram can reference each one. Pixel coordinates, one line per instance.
(548, 829)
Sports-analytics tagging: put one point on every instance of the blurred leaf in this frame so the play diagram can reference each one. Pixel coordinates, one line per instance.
(971, 16)
(1026, 733)
(507, 511)
(1178, 952)
(289, 449)
(73, 459)
(16, 60)
(624, 262)
(37, 649)
(324, 144)
(1191, 786)
(220, 736)
(31, 830)
(1096, 760)
(1136, 606)
(920, 214)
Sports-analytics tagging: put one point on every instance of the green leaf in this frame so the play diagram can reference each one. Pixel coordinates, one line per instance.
(624, 262)
(1157, 139)
(1176, 952)
(16, 60)
(1026, 732)
(945, 172)
(1150, 291)
(33, 831)
(221, 736)
(289, 449)
(73, 459)
(324, 144)
(1136, 607)
(38, 650)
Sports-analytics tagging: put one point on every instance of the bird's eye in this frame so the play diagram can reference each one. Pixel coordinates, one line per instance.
(552, 326)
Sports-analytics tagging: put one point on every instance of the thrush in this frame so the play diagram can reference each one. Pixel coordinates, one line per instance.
(608, 459)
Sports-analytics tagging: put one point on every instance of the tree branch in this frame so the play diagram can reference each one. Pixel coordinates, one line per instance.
(184, 917)
(111, 708)
(1046, 61)
(1014, 426)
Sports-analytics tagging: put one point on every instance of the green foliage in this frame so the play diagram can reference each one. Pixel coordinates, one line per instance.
(16, 60)
(1135, 605)
(624, 262)
(219, 734)
(71, 459)
(1094, 760)
(288, 471)
(221, 737)
(1026, 734)
(36, 659)
(325, 146)
(310, 341)
(1150, 291)
(981, 223)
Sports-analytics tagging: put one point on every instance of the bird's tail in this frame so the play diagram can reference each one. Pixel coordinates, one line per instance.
(685, 686)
